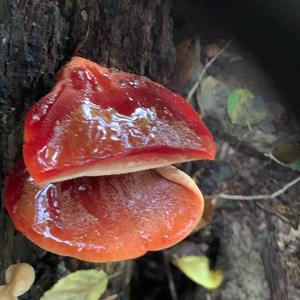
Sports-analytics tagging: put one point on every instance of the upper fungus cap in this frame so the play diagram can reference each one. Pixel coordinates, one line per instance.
(98, 121)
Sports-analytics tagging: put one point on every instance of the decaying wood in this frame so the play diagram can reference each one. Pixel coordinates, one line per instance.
(37, 38)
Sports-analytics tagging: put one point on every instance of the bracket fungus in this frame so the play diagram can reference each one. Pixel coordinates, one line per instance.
(96, 183)
(97, 121)
(18, 280)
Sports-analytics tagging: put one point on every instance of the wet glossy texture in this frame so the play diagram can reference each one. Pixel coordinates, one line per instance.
(95, 115)
(105, 218)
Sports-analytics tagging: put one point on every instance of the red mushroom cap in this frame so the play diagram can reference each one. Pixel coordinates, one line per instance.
(106, 218)
(97, 121)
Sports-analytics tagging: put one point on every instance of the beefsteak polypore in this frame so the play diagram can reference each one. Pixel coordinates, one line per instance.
(99, 121)
(96, 183)
(106, 218)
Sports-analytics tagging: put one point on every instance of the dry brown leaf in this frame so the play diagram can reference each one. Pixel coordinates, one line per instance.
(209, 207)
(188, 63)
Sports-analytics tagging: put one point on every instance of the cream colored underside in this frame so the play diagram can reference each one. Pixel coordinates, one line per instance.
(126, 165)
(140, 163)
(173, 174)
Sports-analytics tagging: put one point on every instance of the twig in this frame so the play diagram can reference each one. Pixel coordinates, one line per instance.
(116, 274)
(249, 126)
(172, 287)
(272, 157)
(111, 297)
(260, 197)
(201, 75)
(284, 219)
(208, 297)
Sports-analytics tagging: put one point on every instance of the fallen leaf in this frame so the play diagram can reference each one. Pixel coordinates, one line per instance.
(208, 213)
(287, 152)
(197, 269)
(244, 109)
(188, 65)
(79, 285)
(18, 280)
(280, 208)
(295, 165)
(212, 95)
(259, 140)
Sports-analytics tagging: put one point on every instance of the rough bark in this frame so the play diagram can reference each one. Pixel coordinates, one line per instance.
(37, 38)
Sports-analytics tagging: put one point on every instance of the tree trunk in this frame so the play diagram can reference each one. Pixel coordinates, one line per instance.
(37, 38)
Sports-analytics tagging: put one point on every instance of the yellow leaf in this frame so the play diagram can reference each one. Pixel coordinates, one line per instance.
(197, 269)
(79, 285)
(244, 109)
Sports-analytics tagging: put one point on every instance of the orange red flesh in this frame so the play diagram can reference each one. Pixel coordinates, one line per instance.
(97, 121)
(97, 150)
(107, 218)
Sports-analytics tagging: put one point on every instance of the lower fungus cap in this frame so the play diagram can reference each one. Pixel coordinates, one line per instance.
(108, 218)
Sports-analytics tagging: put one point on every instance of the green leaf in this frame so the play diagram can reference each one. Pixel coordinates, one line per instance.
(79, 285)
(295, 165)
(197, 269)
(244, 109)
